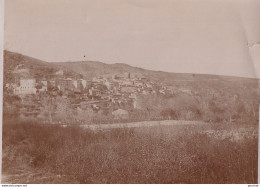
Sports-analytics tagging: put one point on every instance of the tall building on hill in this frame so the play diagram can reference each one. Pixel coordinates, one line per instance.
(60, 72)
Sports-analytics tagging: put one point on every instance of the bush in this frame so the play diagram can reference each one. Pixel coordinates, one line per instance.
(128, 155)
(168, 113)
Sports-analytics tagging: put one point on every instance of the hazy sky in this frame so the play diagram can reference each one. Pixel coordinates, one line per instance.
(199, 36)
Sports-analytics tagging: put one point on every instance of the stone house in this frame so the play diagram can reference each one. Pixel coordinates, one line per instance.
(27, 86)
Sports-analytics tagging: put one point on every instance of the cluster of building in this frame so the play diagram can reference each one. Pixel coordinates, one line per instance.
(118, 92)
(115, 94)
(98, 92)
(125, 84)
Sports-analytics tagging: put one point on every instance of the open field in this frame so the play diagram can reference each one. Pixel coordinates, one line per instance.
(191, 153)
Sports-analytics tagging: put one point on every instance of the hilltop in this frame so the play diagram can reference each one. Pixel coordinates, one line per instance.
(17, 65)
(89, 69)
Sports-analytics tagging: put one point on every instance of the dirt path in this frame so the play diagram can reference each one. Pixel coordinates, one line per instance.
(32, 178)
(143, 124)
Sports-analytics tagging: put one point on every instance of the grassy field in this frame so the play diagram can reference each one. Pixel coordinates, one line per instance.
(216, 153)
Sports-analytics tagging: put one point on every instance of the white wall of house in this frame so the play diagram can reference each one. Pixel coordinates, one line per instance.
(75, 83)
(27, 86)
(84, 83)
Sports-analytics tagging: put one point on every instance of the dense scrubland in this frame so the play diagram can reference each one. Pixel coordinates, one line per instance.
(162, 154)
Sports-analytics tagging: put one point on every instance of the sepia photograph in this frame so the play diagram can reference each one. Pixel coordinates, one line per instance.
(130, 91)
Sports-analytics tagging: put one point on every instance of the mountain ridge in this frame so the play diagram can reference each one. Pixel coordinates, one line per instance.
(89, 69)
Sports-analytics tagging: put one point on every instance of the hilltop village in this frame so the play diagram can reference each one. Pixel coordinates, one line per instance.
(87, 93)
(115, 95)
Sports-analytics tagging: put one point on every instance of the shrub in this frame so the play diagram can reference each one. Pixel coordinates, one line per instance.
(129, 155)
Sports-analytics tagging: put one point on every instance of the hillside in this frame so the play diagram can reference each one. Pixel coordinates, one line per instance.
(89, 69)
(189, 96)
(17, 66)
